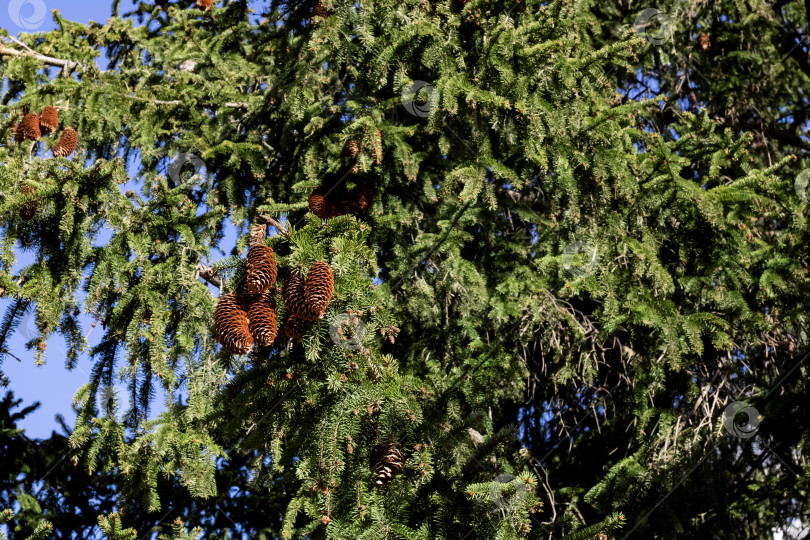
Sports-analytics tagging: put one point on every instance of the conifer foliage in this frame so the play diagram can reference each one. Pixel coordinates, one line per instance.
(512, 305)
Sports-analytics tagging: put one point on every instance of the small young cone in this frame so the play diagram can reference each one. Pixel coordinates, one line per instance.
(28, 210)
(261, 268)
(28, 129)
(204, 4)
(295, 327)
(318, 287)
(262, 319)
(67, 143)
(360, 199)
(231, 325)
(386, 462)
(48, 120)
(292, 291)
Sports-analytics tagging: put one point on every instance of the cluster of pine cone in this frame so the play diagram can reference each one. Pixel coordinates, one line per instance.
(240, 320)
(34, 126)
(244, 319)
(328, 203)
(307, 298)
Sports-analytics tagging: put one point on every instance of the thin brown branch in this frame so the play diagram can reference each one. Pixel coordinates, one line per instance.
(266, 218)
(48, 60)
(70, 64)
(209, 274)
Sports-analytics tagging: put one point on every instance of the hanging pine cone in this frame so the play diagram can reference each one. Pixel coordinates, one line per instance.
(231, 325)
(318, 287)
(360, 199)
(704, 40)
(292, 291)
(205, 5)
(261, 268)
(352, 148)
(328, 203)
(262, 318)
(66, 144)
(258, 233)
(317, 202)
(48, 120)
(28, 129)
(387, 461)
(28, 209)
(378, 146)
(321, 11)
(295, 328)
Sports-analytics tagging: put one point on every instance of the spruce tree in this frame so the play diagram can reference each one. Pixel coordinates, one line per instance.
(509, 301)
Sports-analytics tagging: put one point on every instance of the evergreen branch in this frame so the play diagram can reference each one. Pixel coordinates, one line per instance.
(232, 104)
(48, 60)
(70, 64)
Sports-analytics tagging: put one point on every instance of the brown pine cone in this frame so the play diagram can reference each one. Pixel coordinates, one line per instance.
(261, 268)
(378, 146)
(318, 287)
(386, 462)
(352, 148)
(48, 120)
(28, 210)
(28, 129)
(320, 11)
(205, 5)
(337, 206)
(292, 291)
(360, 199)
(328, 203)
(318, 202)
(231, 325)
(704, 40)
(66, 144)
(258, 233)
(262, 318)
(295, 327)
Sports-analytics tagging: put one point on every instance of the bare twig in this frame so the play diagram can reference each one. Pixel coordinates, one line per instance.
(209, 274)
(266, 218)
(48, 60)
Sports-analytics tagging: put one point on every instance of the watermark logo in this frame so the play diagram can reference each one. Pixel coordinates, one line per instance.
(744, 430)
(28, 14)
(410, 92)
(108, 401)
(178, 163)
(28, 326)
(580, 259)
(506, 493)
(802, 186)
(654, 25)
(348, 331)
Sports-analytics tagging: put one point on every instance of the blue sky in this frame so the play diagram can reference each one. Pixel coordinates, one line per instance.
(51, 384)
